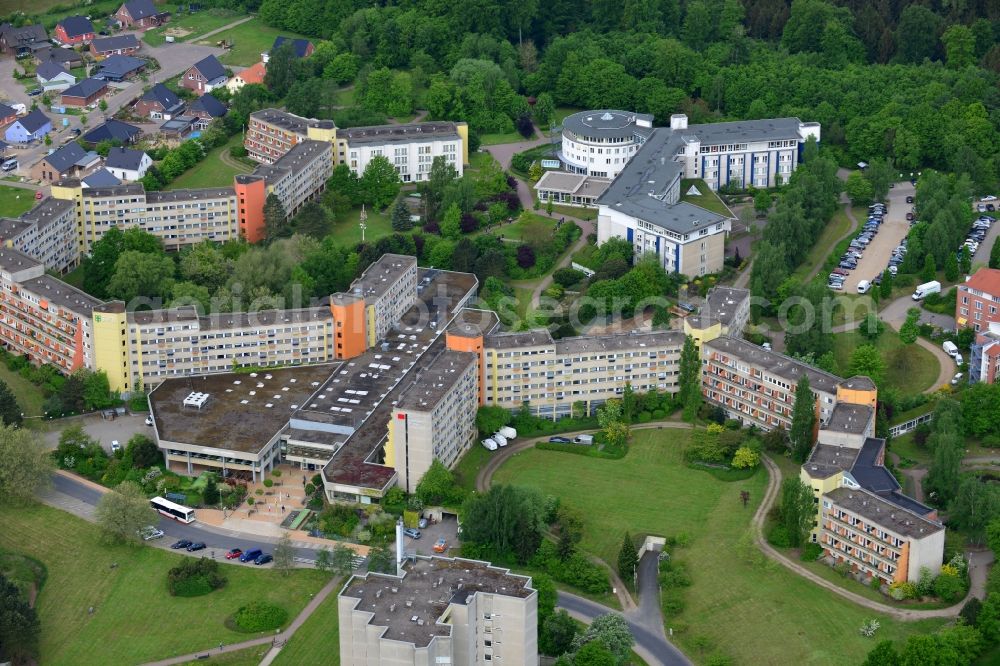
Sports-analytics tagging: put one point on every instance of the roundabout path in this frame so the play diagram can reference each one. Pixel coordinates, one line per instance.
(979, 562)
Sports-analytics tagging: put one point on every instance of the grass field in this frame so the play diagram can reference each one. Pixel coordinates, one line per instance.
(29, 396)
(249, 40)
(756, 613)
(15, 200)
(909, 368)
(135, 619)
(708, 199)
(197, 24)
(346, 231)
(576, 211)
(561, 113)
(526, 227)
(211, 171)
(832, 232)
(250, 656)
(316, 641)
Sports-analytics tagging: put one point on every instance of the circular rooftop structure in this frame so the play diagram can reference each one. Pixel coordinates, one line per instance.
(603, 123)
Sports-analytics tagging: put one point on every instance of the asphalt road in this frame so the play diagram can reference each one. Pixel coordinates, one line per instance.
(215, 538)
(893, 230)
(654, 649)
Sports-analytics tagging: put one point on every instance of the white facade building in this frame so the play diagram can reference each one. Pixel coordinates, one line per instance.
(410, 148)
(600, 143)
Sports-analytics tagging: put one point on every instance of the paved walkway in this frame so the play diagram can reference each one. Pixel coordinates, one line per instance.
(278, 639)
(979, 563)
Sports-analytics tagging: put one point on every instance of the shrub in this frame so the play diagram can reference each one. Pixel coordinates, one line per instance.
(811, 552)
(644, 417)
(672, 604)
(268, 483)
(778, 537)
(659, 414)
(260, 616)
(193, 578)
(949, 587)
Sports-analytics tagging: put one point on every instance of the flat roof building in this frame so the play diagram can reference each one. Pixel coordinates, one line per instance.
(439, 610)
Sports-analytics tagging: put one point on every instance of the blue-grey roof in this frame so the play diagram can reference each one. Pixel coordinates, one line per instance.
(607, 123)
(140, 9)
(111, 130)
(210, 68)
(24, 35)
(164, 95)
(34, 121)
(124, 158)
(745, 131)
(209, 105)
(6, 111)
(49, 70)
(126, 41)
(101, 178)
(85, 88)
(299, 46)
(76, 26)
(120, 65)
(58, 55)
(62, 159)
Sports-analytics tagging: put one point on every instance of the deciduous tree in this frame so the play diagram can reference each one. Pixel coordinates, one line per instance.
(379, 183)
(122, 512)
(798, 511)
(25, 465)
(284, 555)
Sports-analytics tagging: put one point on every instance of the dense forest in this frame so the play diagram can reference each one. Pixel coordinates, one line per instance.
(912, 82)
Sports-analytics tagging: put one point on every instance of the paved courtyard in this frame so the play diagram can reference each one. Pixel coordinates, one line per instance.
(121, 428)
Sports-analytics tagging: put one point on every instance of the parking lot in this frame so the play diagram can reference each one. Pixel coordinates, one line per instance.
(982, 255)
(446, 529)
(104, 431)
(893, 229)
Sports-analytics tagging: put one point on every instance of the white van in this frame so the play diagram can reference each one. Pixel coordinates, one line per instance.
(9, 165)
(950, 348)
(959, 360)
(864, 286)
(926, 289)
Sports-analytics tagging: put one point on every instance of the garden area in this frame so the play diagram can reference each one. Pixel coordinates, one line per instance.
(126, 588)
(217, 169)
(708, 199)
(908, 368)
(737, 601)
(184, 26)
(248, 40)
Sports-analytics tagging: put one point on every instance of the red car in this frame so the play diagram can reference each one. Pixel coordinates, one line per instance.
(234, 554)
(38, 194)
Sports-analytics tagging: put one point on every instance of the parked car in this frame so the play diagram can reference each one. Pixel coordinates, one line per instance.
(34, 92)
(981, 207)
(197, 545)
(251, 555)
(263, 559)
(412, 533)
(149, 420)
(989, 197)
(909, 199)
(957, 378)
(234, 553)
(115, 446)
(559, 440)
(440, 545)
(422, 523)
(149, 532)
(183, 543)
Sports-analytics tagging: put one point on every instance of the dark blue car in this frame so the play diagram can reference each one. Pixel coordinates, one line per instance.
(250, 555)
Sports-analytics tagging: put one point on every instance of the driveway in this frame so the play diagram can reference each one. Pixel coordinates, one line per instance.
(894, 229)
(982, 255)
(447, 529)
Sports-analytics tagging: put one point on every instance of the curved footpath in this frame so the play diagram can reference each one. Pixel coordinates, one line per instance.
(979, 562)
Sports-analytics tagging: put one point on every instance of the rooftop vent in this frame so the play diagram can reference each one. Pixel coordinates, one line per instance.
(195, 399)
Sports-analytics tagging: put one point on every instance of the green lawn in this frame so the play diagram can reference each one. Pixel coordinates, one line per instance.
(576, 211)
(561, 113)
(196, 24)
(479, 160)
(834, 230)
(757, 613)
(134, 618)
(526, 227)
(509, 137)
(15, 200)
(316, 641)
(470, 464)
(347, 232)
(708, 199)
(29, 396)
(909, 368)
(248, 40)
(211, 171)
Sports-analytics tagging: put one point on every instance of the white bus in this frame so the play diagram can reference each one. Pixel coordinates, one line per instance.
(170, 510)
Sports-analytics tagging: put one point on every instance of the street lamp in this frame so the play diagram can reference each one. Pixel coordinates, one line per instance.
(363, 224)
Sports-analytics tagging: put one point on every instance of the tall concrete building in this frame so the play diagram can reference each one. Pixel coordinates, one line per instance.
(439, 611)
(46, 233)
